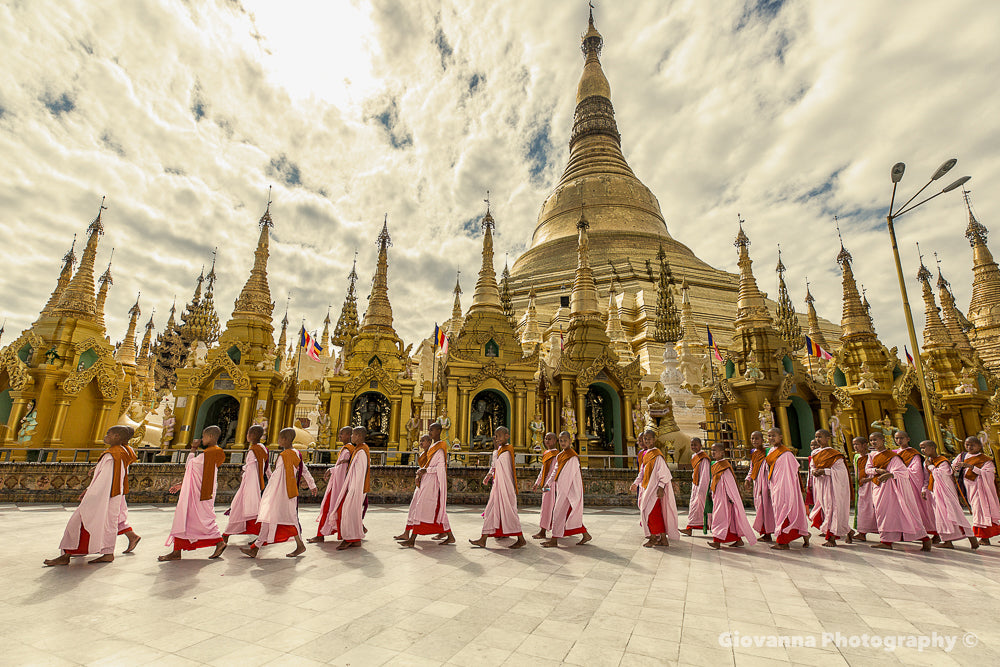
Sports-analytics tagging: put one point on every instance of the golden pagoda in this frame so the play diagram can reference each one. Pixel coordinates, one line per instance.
(60, 384)
(984, 307)
(239, 381)
(374, 388)
(486, 379)
(628, 229)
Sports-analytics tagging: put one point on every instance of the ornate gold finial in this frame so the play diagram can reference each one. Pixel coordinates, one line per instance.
(65, 275)
(935, 332)
(668, 319)
(126, 351)
(751, 309)
(506, 302)
(347, 323)
(788, 322)
(378, 316)
(976, 232)
(254, 301)
(78, 299)
(456, 308)
(147, 338)
(487, 294)
(815, 333)
(855, 318)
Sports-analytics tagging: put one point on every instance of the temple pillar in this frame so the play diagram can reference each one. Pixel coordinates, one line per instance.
(14, 419)
(103, 420)
(581, 426)
(345, 411)
(463, 432)
(397, 404)
(183, 439)
(58, 422)
(518, 431)
(627, 423)
(277, 418)
(824, 415)
(743, 427)
(786, 432)
(243, 421)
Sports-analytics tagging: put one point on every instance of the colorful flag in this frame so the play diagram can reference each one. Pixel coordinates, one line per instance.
(437, 332)
(711, 344)
(816, 350)
(312, 347)
(909, 359)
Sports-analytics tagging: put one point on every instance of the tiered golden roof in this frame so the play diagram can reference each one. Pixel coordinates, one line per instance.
(854, 322)
(815, 333)
(69, 261)
(751, 309)
(126, 351)
(78, 299)
(104, 284)
(958, 326)
(254, 301)
(378, 316)
(668, 320)
(347, 323)
(787, 321)
(984, 307)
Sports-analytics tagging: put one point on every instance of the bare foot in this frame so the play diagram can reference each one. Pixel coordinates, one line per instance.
(861, 537)
(299, 550)
(738, 543)
(133, 541)
(829, 543)
(935, 539)
(850, 537)
(449, 539)
(219, 548)
(651, 542)
(686, 531)
(61, 560)
(173, 555)
(985, 542)
(250, 551)
(926, 546)
(402, 536)
(882, 545)
(974, 543)
(348, 545)
(586, 538)
(780, 547)
(663, 541)
(520, 542)
(766, 537)
(106, 558)
(441, 536)
(945, 545)
(805, 541)
(481, 542)
(550, 543)
(409, 542)
(540, 535)
(714, 545)
(316, 540)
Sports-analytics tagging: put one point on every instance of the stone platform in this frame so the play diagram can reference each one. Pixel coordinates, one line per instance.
(611, 602)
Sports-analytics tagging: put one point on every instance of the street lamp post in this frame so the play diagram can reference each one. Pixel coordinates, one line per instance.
(930, 424)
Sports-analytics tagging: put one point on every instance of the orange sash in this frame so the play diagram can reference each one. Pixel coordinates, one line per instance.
(547, 457)
(439, 446)
(773, 456)
(509, 449)
(718, 469)
(123, 456)
(881, 460)
(934, 463)
(260, 452)
(975, 462)
(422, 460)
(291, 460)
(647, 462)
(368, 467)
(214, 457)
(564, 456)
(907, 454)
(757, 457)
(696, 460)
(825, 458)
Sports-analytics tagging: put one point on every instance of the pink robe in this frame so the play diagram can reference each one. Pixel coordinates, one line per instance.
(548, 497)
(831, 512)
(729, 519)
(895, 513)
(246, 503)
(660, 478)
(983, 500)
(429, 508)
(699, 492)
(790, 518)
(279, 514)
(327, 518)
(100, 516)
(194, 523)
(949, 519)
(918, 481)
(763, 522)
(350, 503)
(567, 507)
(500, 518)
(864, 510)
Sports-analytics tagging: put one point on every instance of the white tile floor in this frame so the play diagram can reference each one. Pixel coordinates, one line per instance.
(608, 603)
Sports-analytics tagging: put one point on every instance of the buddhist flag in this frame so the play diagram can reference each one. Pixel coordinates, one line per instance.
(711, 344)
(310, 345)
(816, 350)
(909, 359)
(440, 339)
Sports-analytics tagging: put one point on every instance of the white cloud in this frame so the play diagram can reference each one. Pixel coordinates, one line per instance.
(789, 114)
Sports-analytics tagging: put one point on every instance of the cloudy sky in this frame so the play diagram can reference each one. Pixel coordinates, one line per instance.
(788, 113)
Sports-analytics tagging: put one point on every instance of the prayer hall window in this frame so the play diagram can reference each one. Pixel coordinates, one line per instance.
(87, 359)
(492, 349)
(234, 354)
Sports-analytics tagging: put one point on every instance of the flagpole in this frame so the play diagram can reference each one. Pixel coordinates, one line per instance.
(434, 375)
(298, 357)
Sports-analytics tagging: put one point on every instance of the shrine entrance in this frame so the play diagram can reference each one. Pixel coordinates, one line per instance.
(602, 422)
(488, 411)
(372, 410)
(223, 411)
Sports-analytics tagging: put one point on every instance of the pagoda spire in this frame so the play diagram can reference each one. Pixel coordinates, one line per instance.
(283, 337)
(815, 333)
(689, 330)
(935, 332)
(456, 308)
(254, 301)
(854, 320)
(985, 274)
(65, 275)
(147, 339)
(751, 309)
(668, 321)
(583, 299)
(126, 351)
(378, 316)
(78, 299)
(531, 336)
(958, 326)
(347, 323)
(505, 299)
(325, 339)
(867, 306)
(614, 329)
(104, 283)
(787, 322)
(487, 294)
